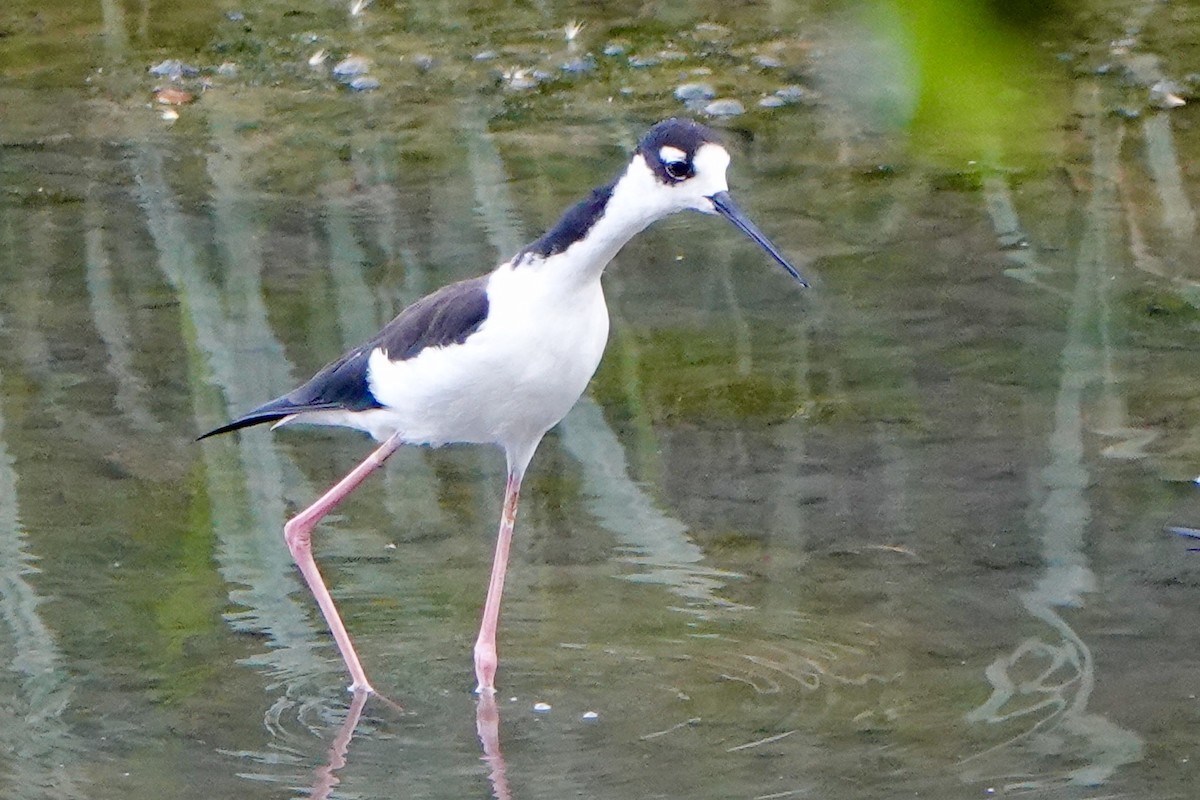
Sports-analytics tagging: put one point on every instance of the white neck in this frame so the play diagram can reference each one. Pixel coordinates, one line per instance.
(637, 200)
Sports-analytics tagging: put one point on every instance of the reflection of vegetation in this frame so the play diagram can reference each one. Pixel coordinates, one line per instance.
(686, 376)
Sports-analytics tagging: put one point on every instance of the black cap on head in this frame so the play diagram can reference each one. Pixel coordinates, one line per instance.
(680, 134)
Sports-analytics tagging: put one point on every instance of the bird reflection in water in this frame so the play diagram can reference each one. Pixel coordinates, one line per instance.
(487, 726)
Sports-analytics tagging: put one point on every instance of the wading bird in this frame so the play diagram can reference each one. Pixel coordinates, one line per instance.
(500, 359)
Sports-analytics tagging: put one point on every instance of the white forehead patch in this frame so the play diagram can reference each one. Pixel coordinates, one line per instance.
(670, 155)
(711, 159)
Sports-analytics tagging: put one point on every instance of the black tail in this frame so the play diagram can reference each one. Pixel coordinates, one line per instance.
(341, 384)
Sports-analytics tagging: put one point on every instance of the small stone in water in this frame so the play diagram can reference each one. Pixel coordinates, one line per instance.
(579, 66)
(364, 83)
(541, 708)
(767, 62)
(639, 62)
(171, 96)
(520, 80)
(725, 107)
(317, 58)
(614, 49)
(687, 92)
(351, 66)
(590, 715)
(423, 62)
(1165, 94)
(235, 16)
(772, 101)
(791, 94)
(486, 55)
(174, 68)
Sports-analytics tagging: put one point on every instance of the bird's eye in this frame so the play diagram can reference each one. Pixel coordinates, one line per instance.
(678, 170)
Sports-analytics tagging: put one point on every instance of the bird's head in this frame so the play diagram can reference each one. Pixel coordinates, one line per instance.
(687, 163)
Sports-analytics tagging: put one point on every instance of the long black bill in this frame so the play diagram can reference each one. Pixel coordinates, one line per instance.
(728, 209)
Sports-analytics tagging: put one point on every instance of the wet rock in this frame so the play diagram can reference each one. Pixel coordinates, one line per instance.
(364, 83)
(767, 62)
(579, 66)
(711, 30)
(486, 55)
(174, 69)
(170, 96)
(792, 94)
(772, 101)
(350, 67)
(692, 92)
(725, 107)
(614, 49)
(641, 62)
(520, 80)
(317, 58)
(424, 62)
(1166, 94)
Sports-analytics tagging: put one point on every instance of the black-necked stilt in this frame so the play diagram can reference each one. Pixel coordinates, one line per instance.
(500, 359)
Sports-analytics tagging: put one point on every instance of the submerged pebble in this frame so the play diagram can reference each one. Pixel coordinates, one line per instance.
(725, 107)
(350, 67)
(520, 80)
(1165, 94)
(767, 62)
(772, 101)
(614, 49)
(641, 62)
(579, 66)
(690, 92)
(174, 69)
(590, 715)
(364, 83)
(791, 94)
(541, 708)
(171, 96)
(486, 55)
(424, 62)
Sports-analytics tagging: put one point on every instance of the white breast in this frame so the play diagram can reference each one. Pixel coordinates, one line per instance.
(511, 381)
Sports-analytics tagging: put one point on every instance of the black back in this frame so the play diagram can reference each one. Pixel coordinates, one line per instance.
(448, 316)
(571, 226)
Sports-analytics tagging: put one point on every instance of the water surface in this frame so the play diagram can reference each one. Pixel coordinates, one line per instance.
(901, 534)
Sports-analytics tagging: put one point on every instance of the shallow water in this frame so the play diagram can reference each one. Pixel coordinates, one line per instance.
(899, 534)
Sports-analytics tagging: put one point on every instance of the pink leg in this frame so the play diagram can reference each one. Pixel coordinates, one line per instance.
(298, 535)
(486, 659)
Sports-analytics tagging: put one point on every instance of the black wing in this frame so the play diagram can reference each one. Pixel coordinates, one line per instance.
(448, 316)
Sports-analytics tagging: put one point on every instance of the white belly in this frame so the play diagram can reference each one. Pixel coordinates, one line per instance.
(510, 382)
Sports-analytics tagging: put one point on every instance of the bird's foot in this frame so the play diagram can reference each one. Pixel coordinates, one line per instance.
(486, 662)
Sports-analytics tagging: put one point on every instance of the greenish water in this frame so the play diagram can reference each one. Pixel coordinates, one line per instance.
(897, 535)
